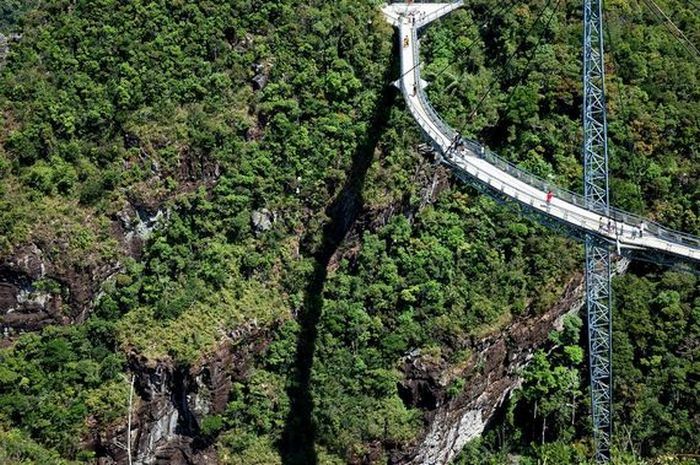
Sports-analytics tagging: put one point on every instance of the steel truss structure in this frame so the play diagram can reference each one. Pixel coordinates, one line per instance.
(598, 253)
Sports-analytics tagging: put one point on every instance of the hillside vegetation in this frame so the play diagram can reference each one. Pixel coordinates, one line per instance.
(151, 104)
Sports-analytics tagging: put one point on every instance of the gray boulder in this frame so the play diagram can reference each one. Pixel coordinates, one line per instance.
(262, 220)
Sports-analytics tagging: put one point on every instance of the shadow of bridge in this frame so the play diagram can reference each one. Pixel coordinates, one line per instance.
(297, 446)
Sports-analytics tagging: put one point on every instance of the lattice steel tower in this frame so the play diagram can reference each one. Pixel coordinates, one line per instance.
(598, 251)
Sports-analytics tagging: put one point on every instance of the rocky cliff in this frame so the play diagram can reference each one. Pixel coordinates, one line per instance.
(491, 373)
(43, 283)
(171, 402)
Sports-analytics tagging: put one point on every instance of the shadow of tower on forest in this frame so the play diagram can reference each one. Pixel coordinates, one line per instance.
(298, 438)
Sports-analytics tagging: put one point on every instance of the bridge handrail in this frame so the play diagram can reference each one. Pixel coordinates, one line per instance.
(435, 117)
(618, 215)
(579, 200)
(569, 216)
(430, 17)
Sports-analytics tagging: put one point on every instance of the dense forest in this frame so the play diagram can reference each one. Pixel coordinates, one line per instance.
(239, 177)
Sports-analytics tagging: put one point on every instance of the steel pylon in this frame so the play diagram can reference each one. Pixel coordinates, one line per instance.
(598, 252)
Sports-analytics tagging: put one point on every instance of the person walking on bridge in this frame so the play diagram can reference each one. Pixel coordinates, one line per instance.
(550, 196)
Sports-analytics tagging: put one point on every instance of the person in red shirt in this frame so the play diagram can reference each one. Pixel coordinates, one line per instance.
(550, 196)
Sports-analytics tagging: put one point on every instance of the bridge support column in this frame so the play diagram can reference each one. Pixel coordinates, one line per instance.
(599, 306)
(598, 252)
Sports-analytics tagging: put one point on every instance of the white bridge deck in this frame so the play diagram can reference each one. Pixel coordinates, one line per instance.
(471, 159)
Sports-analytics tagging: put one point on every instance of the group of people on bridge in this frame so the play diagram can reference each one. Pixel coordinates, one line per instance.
(637, 231)
(609, 227)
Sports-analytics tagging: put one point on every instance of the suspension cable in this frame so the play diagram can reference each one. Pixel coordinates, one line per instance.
(495, 80)
(694, 5)
(671, 26)
(628, 141)
(531, 56)
(490, 17)
(615, 65)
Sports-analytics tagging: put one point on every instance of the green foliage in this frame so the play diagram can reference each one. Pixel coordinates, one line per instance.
(50, 383)
(16, 448)
(150, 102)
(211, 425)
(455, 388)
(109, 402)
(12, 11)
(198, 329)
(656, 326)
(552, 387)
(240, 447)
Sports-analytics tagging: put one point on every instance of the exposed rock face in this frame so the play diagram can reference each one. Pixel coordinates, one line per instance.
(259, 81)
(5, 44)
(491, 374)
(76, 282)
(172, 402)
(4, 48)
(76, 276)
(261, 76)
(139, 225)
(262, 220)
(38, 288)
(23, 306)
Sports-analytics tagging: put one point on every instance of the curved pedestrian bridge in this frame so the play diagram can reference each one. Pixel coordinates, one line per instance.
(472, 161)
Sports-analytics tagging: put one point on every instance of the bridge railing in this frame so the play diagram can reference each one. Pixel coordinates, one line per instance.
(630, 219)
(446, 130)
(616, 214)
(466, 171)
(436, 136)
(430, 17)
